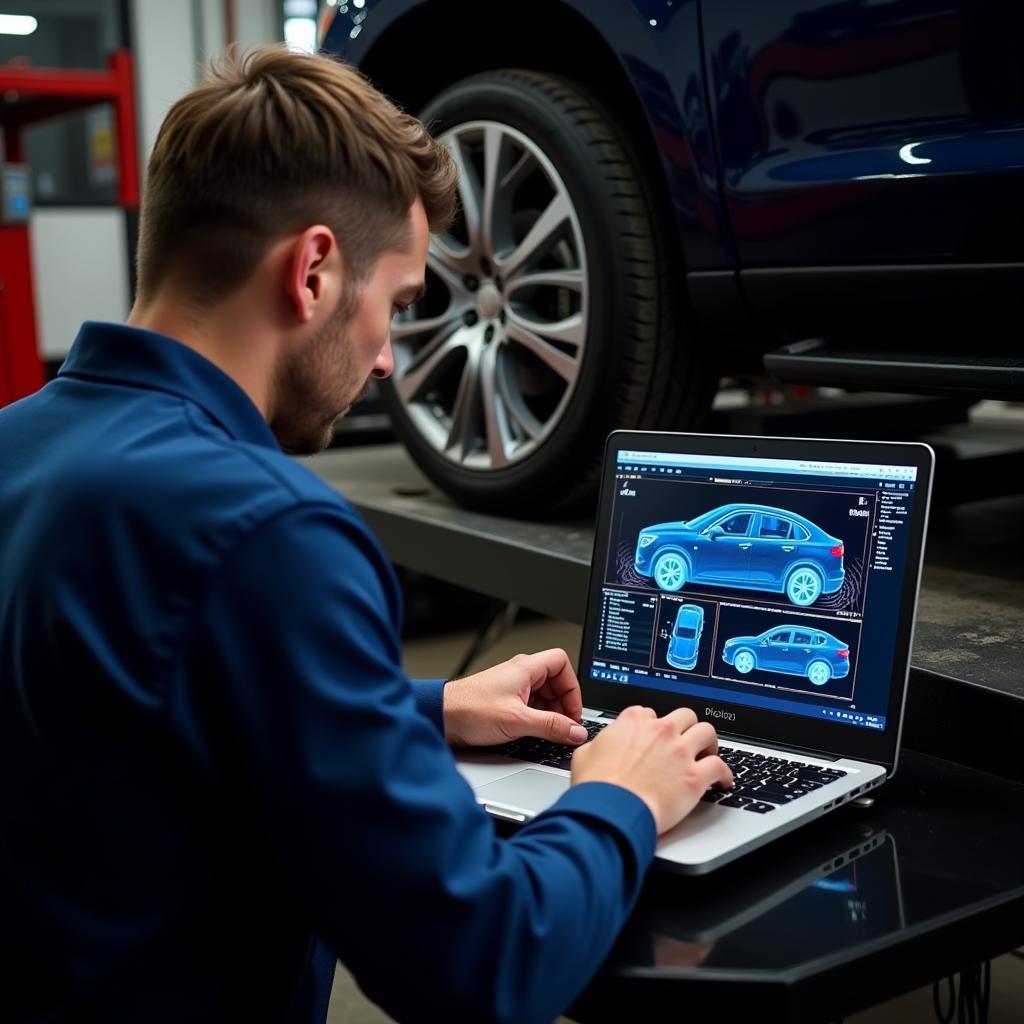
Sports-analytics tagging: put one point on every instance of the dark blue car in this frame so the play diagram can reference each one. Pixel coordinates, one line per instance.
(756, 547)
(658, 193)
(684, 643)
(794, 650)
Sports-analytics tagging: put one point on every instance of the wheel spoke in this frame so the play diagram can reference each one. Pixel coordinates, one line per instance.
(567, 367)
(466, 408)
(469, 194)
(428, 362)
(496, 428)
(570, 330)
(533, 245)
(450, 275)
(570, 279)
(493, 138)
(401, 329)
(457, 258)
(514, 401)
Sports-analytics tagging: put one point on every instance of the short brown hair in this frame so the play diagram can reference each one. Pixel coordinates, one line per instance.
(271, 142)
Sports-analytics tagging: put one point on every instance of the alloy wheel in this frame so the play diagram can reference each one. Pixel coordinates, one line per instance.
(804, 587)
(670, 572)
(819, 673)
(744, 662)
(487, 361)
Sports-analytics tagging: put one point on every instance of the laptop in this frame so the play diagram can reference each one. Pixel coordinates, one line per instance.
(769, 584)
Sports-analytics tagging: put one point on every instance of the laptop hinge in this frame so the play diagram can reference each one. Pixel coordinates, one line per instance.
(819, 754)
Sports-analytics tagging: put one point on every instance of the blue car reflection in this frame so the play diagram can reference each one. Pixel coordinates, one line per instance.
(752, 546)
(684, 644)
(794, 650)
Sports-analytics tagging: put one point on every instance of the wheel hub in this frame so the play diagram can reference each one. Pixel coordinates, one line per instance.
(488, 301)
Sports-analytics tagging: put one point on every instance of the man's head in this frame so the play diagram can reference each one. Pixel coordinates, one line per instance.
(291, 176)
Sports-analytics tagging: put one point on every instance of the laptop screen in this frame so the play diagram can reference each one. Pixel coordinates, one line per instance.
(772, 582)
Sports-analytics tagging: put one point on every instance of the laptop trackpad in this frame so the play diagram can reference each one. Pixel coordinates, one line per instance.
(528, 790)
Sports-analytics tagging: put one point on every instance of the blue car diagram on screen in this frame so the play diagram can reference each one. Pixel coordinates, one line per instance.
(794, 650)
(756, 547)
(684, 643)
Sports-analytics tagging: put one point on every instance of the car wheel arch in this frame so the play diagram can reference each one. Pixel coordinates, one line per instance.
(748, 651)
(675, 549)
(430, 27)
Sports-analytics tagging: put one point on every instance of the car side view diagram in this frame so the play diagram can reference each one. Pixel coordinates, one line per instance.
(684, 643)
(756, 547)
(794, 650)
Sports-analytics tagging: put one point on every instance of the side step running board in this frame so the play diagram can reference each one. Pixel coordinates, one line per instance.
(813, 361)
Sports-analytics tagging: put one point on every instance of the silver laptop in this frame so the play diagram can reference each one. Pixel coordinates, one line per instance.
(769, 584)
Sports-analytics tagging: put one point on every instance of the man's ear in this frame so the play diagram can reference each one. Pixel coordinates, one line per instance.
(313, 272)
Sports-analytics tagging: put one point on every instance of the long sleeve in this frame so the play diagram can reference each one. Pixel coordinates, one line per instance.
(294, 698)
(429, 694)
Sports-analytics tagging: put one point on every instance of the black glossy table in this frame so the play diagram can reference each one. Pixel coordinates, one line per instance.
(855, 909)
(860, 906)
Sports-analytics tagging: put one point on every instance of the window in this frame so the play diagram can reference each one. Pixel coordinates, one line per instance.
(782, 637)
(774, 528)
(801, 638)
(737, 525)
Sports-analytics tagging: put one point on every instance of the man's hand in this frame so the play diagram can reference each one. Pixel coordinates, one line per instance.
(528, 695)
(668, 762)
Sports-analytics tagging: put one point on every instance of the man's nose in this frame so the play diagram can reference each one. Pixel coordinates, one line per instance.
(384, 364)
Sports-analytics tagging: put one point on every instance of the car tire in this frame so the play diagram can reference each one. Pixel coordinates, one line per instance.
(819, 672)
(669, 571)
(500, 422)
(744, 661)
(804, 585)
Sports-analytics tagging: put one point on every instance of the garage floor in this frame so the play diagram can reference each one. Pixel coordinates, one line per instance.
(969, 626)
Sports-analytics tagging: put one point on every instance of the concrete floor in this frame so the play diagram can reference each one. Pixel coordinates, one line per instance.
(437, 655)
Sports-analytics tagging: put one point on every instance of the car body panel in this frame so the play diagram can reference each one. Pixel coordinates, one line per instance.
(760, 547)
(792, 649)
(833, 168)
(684, 643)
(844, 127)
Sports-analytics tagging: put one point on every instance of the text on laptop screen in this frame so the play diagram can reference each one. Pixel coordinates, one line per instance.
(771, 583)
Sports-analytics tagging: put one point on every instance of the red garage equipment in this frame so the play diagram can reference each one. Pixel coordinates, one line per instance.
(29, 95)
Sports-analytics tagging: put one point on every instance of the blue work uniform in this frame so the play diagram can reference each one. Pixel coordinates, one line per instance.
(215, 777)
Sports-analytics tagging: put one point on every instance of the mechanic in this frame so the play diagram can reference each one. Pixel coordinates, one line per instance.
(215, 779)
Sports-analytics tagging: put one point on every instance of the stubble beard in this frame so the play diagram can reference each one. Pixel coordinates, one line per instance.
(313, 388)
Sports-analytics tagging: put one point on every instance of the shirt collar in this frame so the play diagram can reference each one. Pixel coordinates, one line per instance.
(145, 359)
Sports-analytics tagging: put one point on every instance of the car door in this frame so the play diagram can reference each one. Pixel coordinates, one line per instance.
(772, 548)
(724, 550)
(776, 653)
(801, 651)
(882, 141)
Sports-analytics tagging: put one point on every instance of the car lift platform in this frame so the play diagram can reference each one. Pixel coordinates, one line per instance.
(969, 642)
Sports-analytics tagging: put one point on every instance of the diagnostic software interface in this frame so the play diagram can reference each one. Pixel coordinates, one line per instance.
(771, 583)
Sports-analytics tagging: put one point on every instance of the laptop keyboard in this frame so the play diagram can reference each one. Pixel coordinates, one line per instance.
(555, 755)
(762, 782)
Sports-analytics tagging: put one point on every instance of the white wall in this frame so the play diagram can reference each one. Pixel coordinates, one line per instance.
(79, 272)
(165, 62)
(257, 21)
